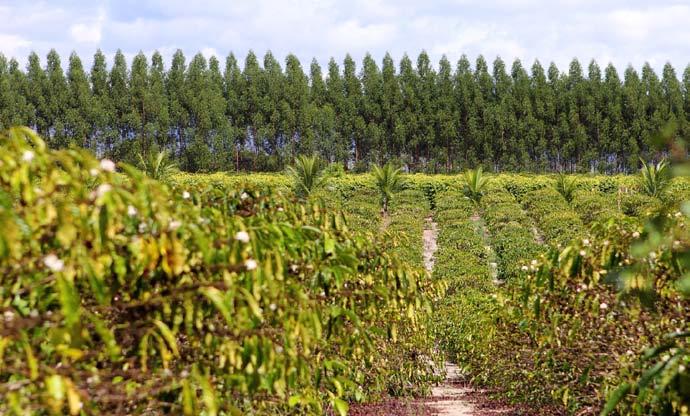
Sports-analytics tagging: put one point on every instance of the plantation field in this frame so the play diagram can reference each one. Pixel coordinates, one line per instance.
(224, 294)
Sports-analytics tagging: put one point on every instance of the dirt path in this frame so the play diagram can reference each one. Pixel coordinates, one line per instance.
(455, 397)
(430, 235)
(448, 398)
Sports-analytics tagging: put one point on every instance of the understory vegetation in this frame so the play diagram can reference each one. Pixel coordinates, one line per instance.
(296, 293)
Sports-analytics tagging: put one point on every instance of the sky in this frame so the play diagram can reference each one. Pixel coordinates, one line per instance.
(621, 32)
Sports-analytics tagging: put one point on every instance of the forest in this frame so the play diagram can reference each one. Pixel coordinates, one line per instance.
(259, 115)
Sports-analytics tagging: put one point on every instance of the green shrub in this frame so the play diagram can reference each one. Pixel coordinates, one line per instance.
(120, 294)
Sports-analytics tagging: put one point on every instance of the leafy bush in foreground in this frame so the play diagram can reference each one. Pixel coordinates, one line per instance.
(119, 295)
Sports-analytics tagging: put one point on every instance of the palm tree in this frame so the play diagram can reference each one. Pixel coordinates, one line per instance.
(565, 187)
(655, 178)
(307, 175)
(389, 180)
(157, 165)
(475, 184)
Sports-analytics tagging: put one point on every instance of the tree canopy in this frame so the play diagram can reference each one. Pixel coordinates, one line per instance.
(442, 117)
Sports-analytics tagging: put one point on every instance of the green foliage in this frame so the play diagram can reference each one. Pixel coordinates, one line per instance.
(565, 186)
(388, 180)
(157, 165)
(594, 206)
(655, 178)
(607, 186)
(120, 294)
(334, 170)
(474, 185)
(307, 175)
(432, 116)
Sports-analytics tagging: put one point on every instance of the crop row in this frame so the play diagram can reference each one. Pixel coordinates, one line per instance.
(462, 320)
(511, 230)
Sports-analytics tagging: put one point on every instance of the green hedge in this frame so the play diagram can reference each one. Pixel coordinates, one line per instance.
(554, 218)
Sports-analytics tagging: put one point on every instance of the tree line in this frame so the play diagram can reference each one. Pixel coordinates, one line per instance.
(259, 116)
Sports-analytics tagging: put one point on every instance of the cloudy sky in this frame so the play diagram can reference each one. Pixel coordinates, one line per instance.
(619, 31)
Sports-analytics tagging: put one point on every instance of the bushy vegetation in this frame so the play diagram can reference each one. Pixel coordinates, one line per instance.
(121, 295)
(285, 294)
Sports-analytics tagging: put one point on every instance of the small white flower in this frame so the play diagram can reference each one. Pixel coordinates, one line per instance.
(52, 262)
(279, 349)
(524, 268)
(103, 189)
(681, 368)
(280, 209)
(666, 357)
(242, 236)
(273, 306)
(250, 264)
(606, 243)
(629, 352)
(652, 255)
(583, 253)
(534, 262)
(28, 156)
(8, 315)
(185, 195)
(603, 306)
(174, 225)
(131, 211)
(636, 234)
(142, 227)
(678, 214)
(107, 165)
(493, 264)
(585, 242)
(33, 313)
(244, 196)
(676, 244)
(184, 374)
(93, 172)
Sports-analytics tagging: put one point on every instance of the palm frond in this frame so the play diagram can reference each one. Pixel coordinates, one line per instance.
(565, 187)
(389, 180)
(654, 178)
(307, 175)
(475, 184)
(157, 165)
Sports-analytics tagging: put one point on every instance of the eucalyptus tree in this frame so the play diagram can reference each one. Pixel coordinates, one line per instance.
(79, 104)
(175, 88)
(122, 106)
(390, 105)
(299, 133)
(36, 94)
(446, 119)
(371, 110)
(234, 110)
(157, 108)
(101, 117)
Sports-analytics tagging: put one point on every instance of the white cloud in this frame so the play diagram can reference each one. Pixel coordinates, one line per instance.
(620, 31)
(358, 37)
(12, 44)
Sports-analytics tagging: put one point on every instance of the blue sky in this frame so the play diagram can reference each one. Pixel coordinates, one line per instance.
(617, 31)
